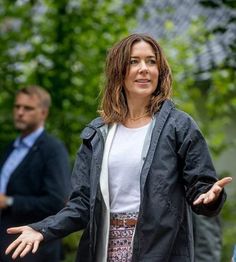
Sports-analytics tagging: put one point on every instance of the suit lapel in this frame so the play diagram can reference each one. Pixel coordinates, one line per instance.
(6, 154)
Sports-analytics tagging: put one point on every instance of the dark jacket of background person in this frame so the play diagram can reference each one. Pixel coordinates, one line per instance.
(40, 187)
(207, 238)
(177, 169)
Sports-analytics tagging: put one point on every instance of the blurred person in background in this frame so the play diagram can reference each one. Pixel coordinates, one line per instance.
(142, 167)
(34, 173)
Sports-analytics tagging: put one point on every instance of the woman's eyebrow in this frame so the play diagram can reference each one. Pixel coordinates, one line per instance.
(150, 56)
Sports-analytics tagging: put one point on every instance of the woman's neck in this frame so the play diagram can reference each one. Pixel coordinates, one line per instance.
(137, 118)
(138, 114)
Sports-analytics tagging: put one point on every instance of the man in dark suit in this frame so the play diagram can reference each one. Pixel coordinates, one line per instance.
(34, 173)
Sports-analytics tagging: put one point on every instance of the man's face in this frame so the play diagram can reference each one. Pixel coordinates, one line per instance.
(28, 113)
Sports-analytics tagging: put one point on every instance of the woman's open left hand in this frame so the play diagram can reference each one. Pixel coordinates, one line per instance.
(28, 240)
(213, 194)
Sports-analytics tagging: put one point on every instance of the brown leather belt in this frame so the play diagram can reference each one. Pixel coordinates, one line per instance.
(126, 222)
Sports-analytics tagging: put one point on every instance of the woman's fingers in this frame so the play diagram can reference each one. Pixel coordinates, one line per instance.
(213, 194)
(35, 246)
(15, 230)
(224, 181)
(26, 250)
(209, 198)
(22, 248)
(200, 199)
(18, 250)
(12, 246)
(206, 198)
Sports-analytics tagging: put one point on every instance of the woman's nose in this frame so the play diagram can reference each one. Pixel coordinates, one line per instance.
(143, 67)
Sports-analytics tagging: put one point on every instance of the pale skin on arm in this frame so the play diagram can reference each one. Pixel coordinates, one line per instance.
(28, 240)
(212, 195)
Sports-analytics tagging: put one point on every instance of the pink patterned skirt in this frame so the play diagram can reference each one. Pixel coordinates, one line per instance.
(122, 228)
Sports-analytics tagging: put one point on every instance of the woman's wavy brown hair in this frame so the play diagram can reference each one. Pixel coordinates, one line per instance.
(114, 106)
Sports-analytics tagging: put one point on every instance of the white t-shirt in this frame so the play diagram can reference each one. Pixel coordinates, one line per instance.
(124, 167)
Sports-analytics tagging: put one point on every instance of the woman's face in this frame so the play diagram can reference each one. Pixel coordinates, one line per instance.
(142, 78)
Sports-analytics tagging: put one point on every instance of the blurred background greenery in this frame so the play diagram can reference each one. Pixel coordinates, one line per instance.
(61, 45)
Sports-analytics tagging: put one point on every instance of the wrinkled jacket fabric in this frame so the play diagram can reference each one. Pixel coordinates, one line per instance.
(177, 169)
(207, 238)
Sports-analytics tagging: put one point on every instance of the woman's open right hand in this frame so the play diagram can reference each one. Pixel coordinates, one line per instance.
(28, 240)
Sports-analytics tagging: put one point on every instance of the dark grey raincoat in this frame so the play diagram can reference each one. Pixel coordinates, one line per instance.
(176, 170)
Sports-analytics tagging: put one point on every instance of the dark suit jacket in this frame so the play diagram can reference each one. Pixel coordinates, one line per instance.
(40, 186)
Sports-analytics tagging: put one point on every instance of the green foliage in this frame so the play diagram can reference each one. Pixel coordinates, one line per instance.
(70, 245)
(208, 96)
(60, 45)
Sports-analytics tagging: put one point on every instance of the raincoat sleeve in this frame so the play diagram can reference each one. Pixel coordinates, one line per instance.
(75, 215)
(198, 172)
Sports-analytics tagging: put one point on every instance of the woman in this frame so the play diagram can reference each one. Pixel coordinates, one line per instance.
(142, 166)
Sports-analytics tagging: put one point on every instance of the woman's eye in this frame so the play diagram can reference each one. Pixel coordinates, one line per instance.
(133, 62)
(152, 61)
